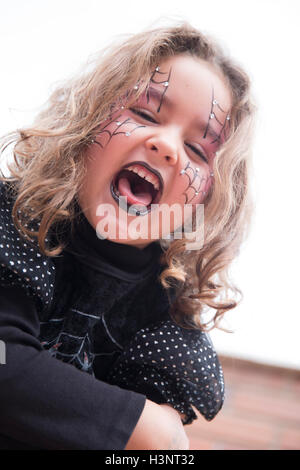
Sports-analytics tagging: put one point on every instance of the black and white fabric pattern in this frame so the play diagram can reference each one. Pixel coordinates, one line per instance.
(112, 324)
(175, 366)
(21, 263)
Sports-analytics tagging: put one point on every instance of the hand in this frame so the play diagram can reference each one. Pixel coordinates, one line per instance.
(159, 428)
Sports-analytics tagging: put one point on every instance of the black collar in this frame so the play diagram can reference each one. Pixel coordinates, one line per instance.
(120, 260)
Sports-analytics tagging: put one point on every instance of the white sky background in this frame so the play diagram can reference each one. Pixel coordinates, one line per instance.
(43, 42)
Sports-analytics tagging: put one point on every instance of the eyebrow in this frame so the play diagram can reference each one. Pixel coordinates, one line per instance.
(157, 96)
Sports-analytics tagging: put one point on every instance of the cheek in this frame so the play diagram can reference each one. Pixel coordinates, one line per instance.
(193, 184)
(94, 162)
(202, 187)
(118, 127)
(111, 128)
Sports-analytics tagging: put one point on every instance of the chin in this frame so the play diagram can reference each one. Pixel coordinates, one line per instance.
(123, 229)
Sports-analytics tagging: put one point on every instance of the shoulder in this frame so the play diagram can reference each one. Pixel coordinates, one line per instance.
(174, 365)
(21, 263)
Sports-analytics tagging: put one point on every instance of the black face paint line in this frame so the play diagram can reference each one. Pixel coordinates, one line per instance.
(165, 83)
(195, 182)
(213, 115)
(117, 131)
(119, 105)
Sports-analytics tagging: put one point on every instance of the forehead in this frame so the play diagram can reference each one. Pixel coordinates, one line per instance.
(194, 81)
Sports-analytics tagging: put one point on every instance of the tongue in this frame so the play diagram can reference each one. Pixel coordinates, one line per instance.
(140, 197)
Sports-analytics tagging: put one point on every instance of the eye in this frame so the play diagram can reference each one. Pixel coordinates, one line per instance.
(143, 115)
(197, 152)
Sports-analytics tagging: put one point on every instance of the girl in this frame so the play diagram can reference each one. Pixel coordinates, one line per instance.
(103, 322)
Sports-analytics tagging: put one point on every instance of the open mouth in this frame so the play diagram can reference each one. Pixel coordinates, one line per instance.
(140, 184)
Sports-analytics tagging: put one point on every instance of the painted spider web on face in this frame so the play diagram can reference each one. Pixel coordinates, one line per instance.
(116, 131)
(212, 115)
(194, 177)
(164, 82)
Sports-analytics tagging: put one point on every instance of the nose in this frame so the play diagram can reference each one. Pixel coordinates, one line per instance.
(163, 146)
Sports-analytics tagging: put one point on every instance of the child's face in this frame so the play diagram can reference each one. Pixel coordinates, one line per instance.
(174, 130)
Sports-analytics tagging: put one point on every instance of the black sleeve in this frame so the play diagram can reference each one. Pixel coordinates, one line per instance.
(173, 365)
(48, 404)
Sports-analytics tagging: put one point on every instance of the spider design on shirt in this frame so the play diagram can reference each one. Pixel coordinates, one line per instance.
(164, 82)
(195, 181)
(86, 363)
(116, 131)
(52, 350)
(212, 115)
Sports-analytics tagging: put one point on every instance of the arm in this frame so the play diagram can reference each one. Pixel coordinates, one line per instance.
(173, 365)
(48, 404)
(160, 428)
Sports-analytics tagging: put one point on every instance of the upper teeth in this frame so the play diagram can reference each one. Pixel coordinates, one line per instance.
(146, 175)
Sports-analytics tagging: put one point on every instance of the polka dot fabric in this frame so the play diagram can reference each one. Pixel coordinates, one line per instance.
(165, 362)
(21, 263)
(173, 365)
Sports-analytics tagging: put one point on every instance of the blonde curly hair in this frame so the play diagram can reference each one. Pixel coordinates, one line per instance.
(48, 167)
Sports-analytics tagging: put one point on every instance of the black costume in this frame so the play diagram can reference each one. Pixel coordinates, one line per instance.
(99, 307)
